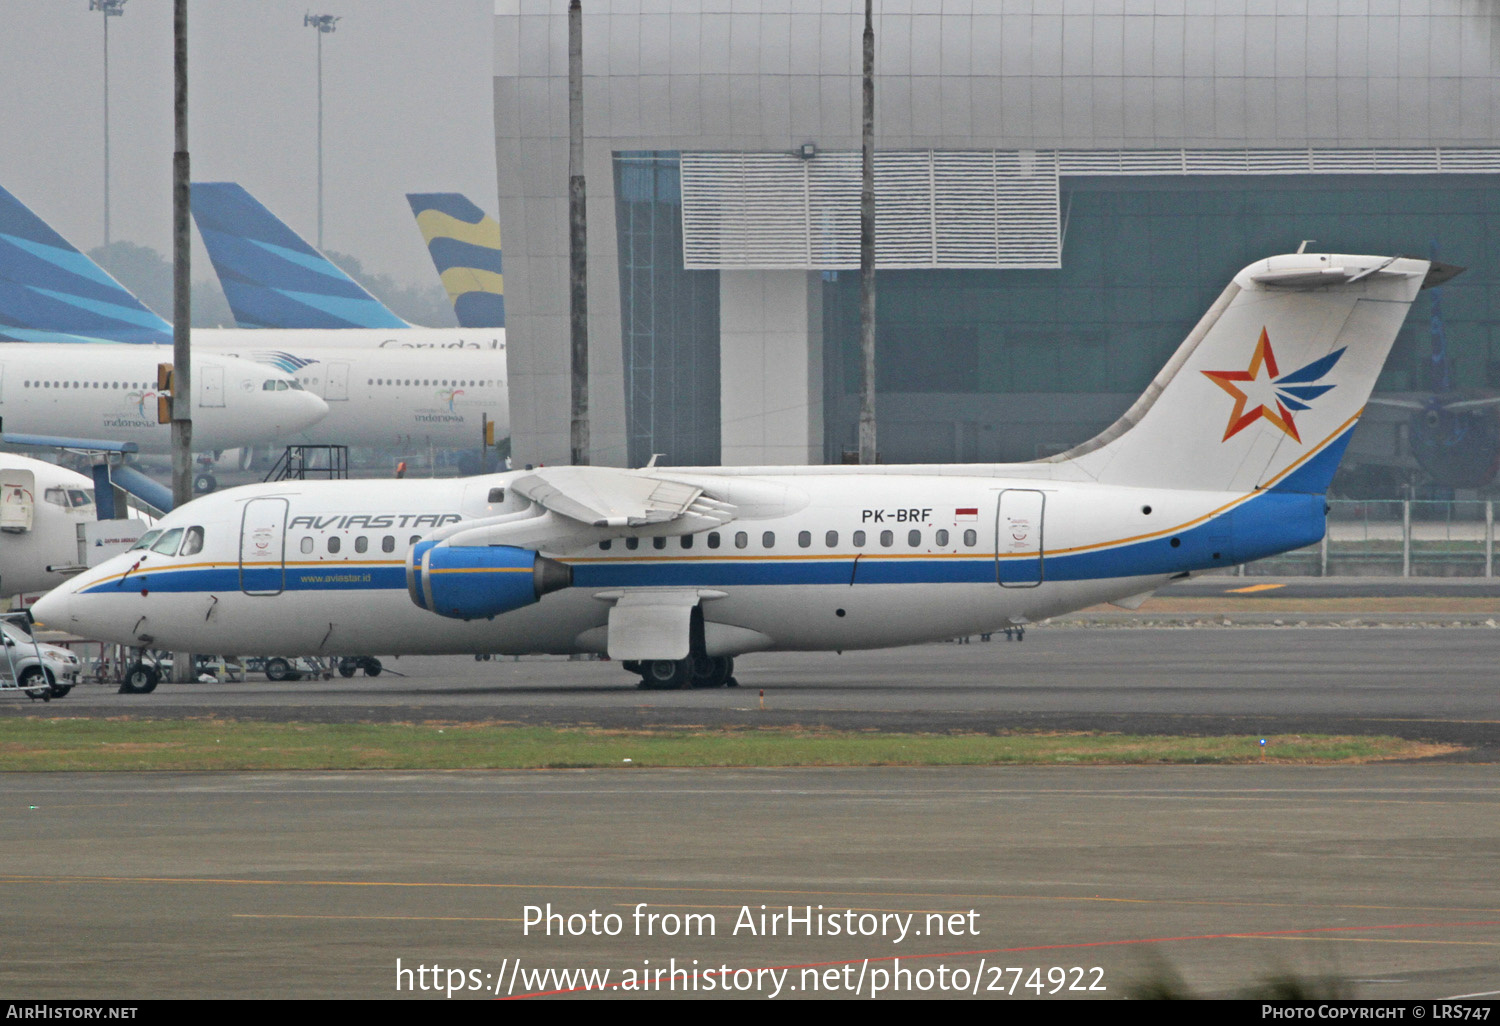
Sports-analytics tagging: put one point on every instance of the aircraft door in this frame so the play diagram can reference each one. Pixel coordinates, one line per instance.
(17, 500)
(337, 388)
(210, 386)
(263, 547)
(1018, 538)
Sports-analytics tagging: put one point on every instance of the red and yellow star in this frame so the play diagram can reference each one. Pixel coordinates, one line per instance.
(1238, 418)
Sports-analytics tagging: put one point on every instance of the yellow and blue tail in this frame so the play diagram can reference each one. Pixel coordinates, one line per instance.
(50, 292)
(465, 245)
(270, 275)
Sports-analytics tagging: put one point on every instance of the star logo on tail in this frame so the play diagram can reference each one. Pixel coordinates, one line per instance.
(1262, 391)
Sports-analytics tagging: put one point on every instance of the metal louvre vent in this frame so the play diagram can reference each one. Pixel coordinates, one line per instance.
(1309, 161)
(934, 208)
(957, 208)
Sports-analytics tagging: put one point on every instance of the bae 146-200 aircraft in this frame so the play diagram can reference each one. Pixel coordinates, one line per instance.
(1225, 458)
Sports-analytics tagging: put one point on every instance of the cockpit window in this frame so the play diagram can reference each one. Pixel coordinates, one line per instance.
(192, 544)
(146, 540)
(274, 386)
(78, 497)
(167, 543)
(56, 496)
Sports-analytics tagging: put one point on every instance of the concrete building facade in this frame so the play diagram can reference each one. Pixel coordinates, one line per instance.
(1064, 187)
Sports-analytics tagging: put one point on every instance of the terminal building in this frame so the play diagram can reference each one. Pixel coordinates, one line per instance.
(1063, 188)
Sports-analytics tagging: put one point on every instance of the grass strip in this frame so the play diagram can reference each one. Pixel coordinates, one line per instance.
(218, 744)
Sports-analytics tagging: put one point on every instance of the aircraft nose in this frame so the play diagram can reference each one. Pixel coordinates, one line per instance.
(52, 609)
(310, 409)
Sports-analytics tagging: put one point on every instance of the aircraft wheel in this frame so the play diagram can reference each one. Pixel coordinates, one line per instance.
(372, 667)
(666, 674)
(204, 483)
(711, 671)
(278, 669)
(347, 667)
(140, 679)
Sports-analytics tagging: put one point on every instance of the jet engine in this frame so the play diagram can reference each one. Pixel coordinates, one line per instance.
(471, 582)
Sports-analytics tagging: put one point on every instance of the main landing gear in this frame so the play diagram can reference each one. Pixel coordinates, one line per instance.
(692, 672)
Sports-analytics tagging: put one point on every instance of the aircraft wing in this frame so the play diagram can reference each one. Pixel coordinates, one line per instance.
(1473, 404)
(580, 506)
(609, 497)
(1396, 404)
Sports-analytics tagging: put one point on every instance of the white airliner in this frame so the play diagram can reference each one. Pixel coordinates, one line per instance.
(1225, 458)
(389, 398)
(384, 386)
(109, 392)
(41, 508)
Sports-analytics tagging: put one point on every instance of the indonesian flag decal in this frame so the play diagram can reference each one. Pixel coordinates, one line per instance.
(966, 513)
(1261, 391)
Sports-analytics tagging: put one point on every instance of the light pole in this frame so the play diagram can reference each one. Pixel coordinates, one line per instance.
(324, 23)
(109, 9)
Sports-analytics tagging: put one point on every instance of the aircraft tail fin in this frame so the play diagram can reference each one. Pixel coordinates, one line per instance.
(465, 245)
(271, 276)
(1266, 390)
(51, 292)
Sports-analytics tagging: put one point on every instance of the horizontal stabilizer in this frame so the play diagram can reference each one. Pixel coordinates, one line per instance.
(1265, 391)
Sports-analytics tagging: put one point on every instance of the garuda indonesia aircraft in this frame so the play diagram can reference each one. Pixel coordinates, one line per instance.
(381, 397)
(675, 571)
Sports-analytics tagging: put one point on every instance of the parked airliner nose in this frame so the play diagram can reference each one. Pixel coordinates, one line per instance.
(303, 411)
(51, 610)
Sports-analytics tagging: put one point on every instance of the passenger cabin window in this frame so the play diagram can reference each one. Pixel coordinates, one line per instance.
(942, 538)
(971, 538)
(414, 539)
(804, 539)
(334, 544)
(887, 539)
(831, 539)
(167, 543)
(859, 539)
(605, 544)
(193, 543)
(632, 543)
(768, 540)
(741, 539)
(307, 544)
(687, 541)
(914, 538)
(388, 543)
(658, 543)
(713, 539)
(361, 544)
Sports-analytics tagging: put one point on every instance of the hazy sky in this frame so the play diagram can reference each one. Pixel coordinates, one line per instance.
(406, 102)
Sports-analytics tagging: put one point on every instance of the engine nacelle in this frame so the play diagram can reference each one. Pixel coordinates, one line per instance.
(471, 582)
